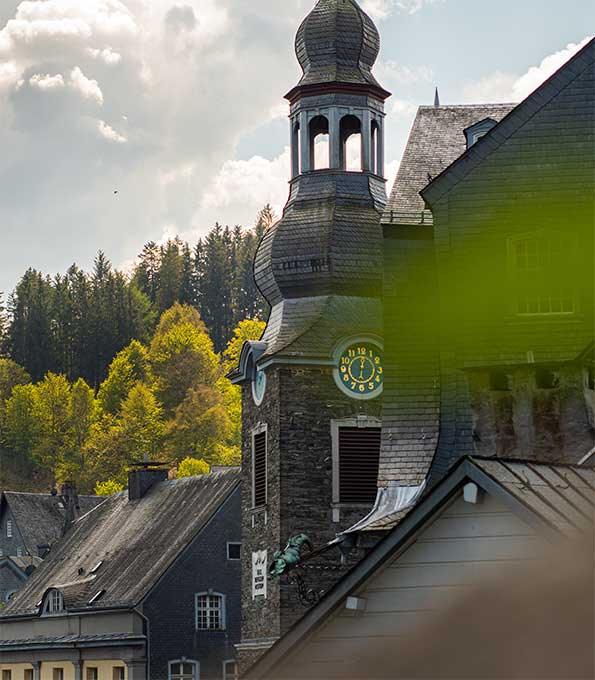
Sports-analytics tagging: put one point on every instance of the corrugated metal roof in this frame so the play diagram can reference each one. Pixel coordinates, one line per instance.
(562, 495)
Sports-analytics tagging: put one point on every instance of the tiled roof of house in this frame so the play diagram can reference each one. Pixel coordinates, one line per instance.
(123, 547)
(437, 139)
(40, 517)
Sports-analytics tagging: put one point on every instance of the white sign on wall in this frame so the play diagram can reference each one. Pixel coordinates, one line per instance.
(259, 574)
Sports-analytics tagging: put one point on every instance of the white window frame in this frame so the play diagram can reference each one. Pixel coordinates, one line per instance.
(9, 529)
(259, 429)
(223, 612)
(362, 422)
(196, 665)
(234, 559)
(226, 675)
(54, 603)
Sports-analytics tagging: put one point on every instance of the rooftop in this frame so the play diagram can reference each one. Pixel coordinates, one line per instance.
(123, 547)
(436, 140)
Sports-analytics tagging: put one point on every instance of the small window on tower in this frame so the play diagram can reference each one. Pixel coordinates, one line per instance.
(259, 469)
(9, 529)
(357, 461)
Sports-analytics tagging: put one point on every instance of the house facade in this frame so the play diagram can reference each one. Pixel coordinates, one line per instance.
(145, 586)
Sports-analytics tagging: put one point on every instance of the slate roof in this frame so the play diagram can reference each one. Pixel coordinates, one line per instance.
(40, 517)
(436, 140)
(509, 125)
(311, 327)
(527, 489)
(135, 542)
(337, 42)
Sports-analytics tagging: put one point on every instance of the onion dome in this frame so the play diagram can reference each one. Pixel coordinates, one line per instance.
(337, 43)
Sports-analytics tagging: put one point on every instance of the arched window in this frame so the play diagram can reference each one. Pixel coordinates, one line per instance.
(184, 670)
(375, 160)
(351, 144)
(319, 144)
(53, 603)
(296, 151)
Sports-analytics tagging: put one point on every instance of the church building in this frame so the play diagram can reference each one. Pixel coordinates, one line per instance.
(454, 320)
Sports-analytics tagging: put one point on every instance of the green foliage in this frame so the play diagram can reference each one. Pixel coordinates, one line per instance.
(108, 386)
(108, 488)
(249, 329)
(11, 375)
(192, 467)
(181, 356)
(130, 366)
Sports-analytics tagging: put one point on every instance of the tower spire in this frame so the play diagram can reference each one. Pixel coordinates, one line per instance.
(437, 99)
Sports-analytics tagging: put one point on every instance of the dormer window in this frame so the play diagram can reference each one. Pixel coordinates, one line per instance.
(9, 531)
(53, 603)
(475, 132)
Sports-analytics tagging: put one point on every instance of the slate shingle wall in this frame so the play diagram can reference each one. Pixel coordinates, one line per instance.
(170, 607)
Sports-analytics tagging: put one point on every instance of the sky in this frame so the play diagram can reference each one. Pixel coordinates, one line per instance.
(126, 121)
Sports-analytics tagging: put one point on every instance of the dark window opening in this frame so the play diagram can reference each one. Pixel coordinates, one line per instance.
(591, 378)
(359, 458)
(234, 551)
(500, 381)
(546, 379)
(260, 470)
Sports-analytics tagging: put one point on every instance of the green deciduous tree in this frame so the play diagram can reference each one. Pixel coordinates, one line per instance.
(192, 467)
(181, 356)
(129, 367)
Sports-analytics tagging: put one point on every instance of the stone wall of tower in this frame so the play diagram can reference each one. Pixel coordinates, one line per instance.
(298, 409)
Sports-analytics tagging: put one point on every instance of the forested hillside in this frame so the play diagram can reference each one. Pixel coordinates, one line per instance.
(75, 323)
(98, 370)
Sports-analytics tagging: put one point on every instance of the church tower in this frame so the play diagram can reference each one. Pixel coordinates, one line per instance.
(312, 386)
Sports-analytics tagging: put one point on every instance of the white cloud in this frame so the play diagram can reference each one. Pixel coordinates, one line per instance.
(380, 9)
(87, 87)
(390, 72)
(252, 183)
(110, 134)
(107, 55)
(46, 83)
(507, 87)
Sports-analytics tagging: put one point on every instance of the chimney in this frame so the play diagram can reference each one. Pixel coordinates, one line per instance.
(141, 480)
(70, 501)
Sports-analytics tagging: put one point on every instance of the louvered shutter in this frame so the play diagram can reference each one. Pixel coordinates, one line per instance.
(260, 469)
(359, 457)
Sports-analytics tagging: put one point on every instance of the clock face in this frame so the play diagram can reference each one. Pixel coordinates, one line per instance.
(259, 386)
(360, 372)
